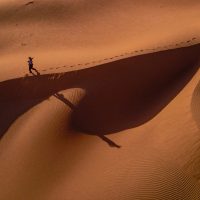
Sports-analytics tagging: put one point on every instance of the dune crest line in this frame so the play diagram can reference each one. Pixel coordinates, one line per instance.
(124, 54)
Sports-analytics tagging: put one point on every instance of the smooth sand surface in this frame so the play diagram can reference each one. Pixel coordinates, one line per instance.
(114, 113)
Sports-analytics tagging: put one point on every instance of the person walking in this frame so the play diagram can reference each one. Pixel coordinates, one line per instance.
(30, 64)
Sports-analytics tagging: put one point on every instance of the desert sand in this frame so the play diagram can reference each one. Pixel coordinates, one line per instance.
(113, 114)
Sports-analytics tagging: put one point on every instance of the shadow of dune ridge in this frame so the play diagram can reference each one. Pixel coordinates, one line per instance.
(119, 95)
(62, 98)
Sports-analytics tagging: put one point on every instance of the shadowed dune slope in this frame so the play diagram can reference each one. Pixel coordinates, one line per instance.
(119, 95)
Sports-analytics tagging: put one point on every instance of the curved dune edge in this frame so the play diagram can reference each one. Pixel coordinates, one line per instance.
(94, 63)
(123, 55)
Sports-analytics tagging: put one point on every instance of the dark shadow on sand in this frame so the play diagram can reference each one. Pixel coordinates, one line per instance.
(62, 98)
(109, 141)
(119, 95)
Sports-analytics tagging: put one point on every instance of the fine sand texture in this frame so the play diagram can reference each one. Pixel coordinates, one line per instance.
(112, 112)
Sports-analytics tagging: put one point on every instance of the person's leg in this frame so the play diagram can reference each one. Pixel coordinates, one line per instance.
(34, 69)
(30, 70)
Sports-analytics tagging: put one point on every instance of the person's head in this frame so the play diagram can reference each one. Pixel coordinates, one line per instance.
(30, 58)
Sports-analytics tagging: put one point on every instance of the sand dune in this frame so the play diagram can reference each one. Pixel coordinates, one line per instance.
(118, 99)
(114, 112)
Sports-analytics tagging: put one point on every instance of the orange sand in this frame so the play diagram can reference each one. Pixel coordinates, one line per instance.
(113, 114)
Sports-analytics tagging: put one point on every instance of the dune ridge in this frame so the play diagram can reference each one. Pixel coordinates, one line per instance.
(43, 86)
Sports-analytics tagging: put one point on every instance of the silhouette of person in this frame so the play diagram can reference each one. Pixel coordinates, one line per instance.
(30, 64)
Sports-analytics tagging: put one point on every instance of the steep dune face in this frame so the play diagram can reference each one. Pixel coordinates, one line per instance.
(130, 92)
(114, 113)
